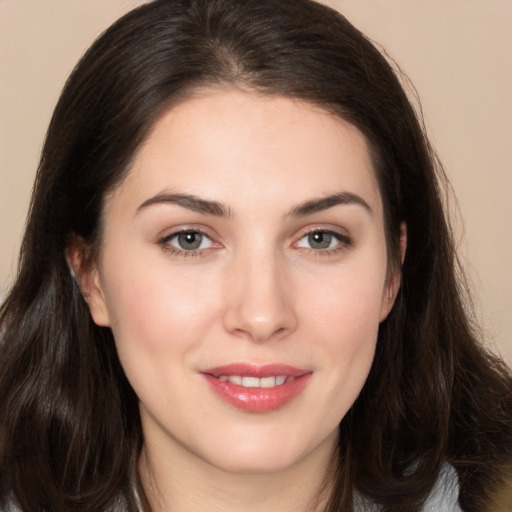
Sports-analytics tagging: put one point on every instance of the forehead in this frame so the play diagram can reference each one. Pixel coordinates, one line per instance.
(237, 147)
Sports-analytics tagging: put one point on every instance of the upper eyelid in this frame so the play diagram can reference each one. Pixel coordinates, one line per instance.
(170, 233)
(174, 234)
(337, 231)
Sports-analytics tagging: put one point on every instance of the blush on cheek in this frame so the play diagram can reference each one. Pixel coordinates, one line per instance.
(160, 314)
(141, 319)
(352, 309)
(132, 308)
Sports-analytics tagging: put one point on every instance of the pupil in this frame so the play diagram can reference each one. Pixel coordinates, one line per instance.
(190, 241)
(320, 240)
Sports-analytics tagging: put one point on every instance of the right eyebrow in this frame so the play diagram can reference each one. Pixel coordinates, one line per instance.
(190, 202)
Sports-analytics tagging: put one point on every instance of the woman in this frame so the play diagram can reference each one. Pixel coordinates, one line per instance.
(237, 287)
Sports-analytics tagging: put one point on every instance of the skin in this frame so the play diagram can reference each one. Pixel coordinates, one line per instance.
(255, 291)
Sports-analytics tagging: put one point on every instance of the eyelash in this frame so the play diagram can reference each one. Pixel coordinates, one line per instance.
(174, 251)
(344, 243)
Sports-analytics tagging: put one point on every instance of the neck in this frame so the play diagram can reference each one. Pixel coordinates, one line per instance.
(191, 484)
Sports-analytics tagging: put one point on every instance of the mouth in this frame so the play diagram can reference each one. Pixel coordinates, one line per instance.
(259, 389)
(254, 382)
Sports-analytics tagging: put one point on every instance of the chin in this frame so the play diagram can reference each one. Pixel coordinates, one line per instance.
(265, 454)
(255, 465)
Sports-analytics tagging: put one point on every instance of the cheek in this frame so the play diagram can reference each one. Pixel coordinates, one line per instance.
(158, 311)
(348, 306)
(344, 320)
(159, 322)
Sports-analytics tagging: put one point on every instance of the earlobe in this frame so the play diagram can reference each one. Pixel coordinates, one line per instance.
(96, 299)
(390, 294)
(403, 241)
(87, 277)
(394, 280)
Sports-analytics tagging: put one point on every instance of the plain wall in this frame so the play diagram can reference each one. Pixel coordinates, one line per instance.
(456, 52)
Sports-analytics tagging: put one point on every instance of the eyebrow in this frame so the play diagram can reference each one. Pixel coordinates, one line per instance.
(207, 207)
(324, 203)
(188, 201)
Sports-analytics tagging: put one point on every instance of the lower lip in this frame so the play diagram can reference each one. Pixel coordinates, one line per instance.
(258, 399)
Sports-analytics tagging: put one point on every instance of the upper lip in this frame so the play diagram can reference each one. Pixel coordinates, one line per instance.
(253, 370)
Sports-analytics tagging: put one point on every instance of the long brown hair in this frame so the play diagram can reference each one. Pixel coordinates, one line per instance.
(70, 432)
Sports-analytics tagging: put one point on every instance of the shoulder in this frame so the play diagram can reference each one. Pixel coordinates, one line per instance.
(445, 495)
(443, 498)
(9, 506)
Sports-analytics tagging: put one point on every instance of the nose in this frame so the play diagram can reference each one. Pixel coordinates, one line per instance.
(259, 299)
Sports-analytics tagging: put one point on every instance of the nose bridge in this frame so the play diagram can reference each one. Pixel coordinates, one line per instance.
(259, 305)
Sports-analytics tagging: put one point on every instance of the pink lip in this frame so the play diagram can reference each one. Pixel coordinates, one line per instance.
(257, 399)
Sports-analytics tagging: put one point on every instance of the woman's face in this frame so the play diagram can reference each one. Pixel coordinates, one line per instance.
(243, 272)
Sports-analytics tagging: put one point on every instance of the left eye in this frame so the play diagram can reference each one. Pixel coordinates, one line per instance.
(319, 240)
(190, 241)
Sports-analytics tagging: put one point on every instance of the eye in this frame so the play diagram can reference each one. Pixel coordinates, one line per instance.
(323, 240)
(188, 241)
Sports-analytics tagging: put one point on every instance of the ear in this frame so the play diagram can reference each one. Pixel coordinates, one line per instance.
(394, 277)
(85, 272)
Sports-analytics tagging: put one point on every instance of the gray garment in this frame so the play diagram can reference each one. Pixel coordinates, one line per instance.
(12, 506)
(444, 497)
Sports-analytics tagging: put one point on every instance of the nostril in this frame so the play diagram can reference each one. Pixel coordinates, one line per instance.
(281, 330)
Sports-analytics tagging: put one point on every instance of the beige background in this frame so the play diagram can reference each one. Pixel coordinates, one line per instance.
(457, 53)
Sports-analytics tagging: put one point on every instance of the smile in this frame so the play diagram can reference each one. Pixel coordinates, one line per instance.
(259, 389)
(255, 382)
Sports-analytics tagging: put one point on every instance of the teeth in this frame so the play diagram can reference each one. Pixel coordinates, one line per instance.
(280, 380)
(254, 382)
(235, 379)
(250, 382)
(267, 382)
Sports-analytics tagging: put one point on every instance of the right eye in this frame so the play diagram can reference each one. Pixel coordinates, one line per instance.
(187, 241)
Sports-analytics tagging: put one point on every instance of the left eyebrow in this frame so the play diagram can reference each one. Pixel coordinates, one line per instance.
(324, 203)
